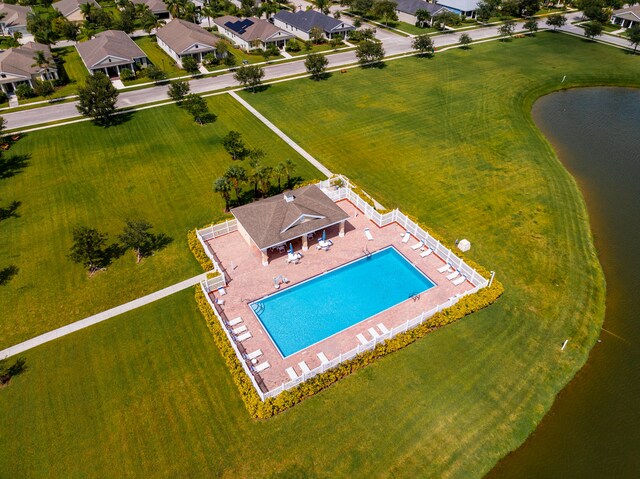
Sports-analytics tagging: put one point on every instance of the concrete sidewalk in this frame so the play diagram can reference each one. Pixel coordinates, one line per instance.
(97, 318)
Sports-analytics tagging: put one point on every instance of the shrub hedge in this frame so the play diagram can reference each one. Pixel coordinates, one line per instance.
(198, 251)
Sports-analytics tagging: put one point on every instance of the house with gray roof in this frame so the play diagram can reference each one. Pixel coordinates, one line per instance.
(407, 10)
(279, 220)
(70, 9)
(157, 7)
(301, 22)
(15, 18)
(626, 17)
(181, 39)
(465, 8)
(252, 33)
(18, 66)
(111, 52)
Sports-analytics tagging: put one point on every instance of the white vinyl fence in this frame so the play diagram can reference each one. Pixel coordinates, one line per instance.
(339, 193)
(208, 233)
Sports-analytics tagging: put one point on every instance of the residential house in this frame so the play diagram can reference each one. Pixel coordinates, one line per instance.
(157, 7)
(181, 39)
(18, 65)
(626, 17)
(407, 9)
(111, 52)
(301, 22)
(252, 33)
(14, 20)
(465, 8)
(70, 9)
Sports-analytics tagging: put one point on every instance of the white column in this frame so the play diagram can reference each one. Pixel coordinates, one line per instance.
(305, 243)
(265, 258)
(341, 229)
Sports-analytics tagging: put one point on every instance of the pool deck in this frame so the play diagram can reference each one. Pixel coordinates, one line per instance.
(249, 280)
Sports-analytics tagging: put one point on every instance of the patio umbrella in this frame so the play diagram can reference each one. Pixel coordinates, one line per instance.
(290, 248)
(324, 236)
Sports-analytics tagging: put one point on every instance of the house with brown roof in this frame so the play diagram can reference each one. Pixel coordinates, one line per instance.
(70, 9)
(626, 17)
(111, 52)
(157, 7)
(276, 221)
(18, 66)
(15, 18)
(252, 33)
(181, 39)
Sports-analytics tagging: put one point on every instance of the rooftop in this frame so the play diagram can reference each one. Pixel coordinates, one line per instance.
(305, 20)
(67, 7)
(156, 6)
(412, 6)
(111, 43)
(251, 28)
(180, 35)
(20, 60)
(14, 14)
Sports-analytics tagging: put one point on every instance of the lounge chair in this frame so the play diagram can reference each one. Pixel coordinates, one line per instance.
(256, 354)
(426, 253)
(219, 301)
(235, 322)
(323, 359)
(459, 281)
(418, 245)
(221, 291)
(239, 329)
(324, 244)
(293, 258)
(373, 333)
(444, 269)
(367, 233)
(453, 275)
(405, 238)
(303, 366)
(244, 336)
(362, 339)
(281, 248)
(262, 366)
(383, 328)
(292, 374)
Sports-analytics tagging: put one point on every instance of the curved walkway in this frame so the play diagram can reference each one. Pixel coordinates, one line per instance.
(97, 318)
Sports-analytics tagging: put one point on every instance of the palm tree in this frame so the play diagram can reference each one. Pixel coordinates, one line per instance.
(43, 63)
(265, 173)
(269, 7)
(279, 171)
(236, 175)
(175, 7)
(210, 11)
(222, 186)
(255, 177)
(289, 168)
(87, 10)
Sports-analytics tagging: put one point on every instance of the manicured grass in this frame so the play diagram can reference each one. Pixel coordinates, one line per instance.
(147, 394)
(159, 165)
(158, 57)
(413, 29)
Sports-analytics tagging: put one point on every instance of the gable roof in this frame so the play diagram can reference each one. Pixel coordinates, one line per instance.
(179, 35)
(305, 20)
(630, 13)
(251, 28)
(275, 220)
(20, 60)
(111, 43)
(156, 6)
(67, 7)
(460, 5)
(412, 6)
(14, 14)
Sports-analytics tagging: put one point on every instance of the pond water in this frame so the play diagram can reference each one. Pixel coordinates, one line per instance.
(593, 428)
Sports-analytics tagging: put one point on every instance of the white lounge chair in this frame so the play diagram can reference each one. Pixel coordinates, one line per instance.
(293, 258)
(453, 275)
(262, 366)
(323, 359)
(324, 244)
(383, 328)
(368, 234)
(235, 322)
(362, 339)
(244, 336)
(373, 333)
(418, 245)
(303, 366)
(219, 301)
(292, 373)
(221, 291)
(405, 238)
(444, 269)
(256, 354)
(426, 253)
(239, 329)
(459, 281)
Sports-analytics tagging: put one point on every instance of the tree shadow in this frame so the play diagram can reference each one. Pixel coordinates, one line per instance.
(425, 55)
(260, 88)
(7, 274)
(323, 76)
(10, 211)
(156, 243)
(12, 165)
(16, 369)
(377, 65)
(118, 119)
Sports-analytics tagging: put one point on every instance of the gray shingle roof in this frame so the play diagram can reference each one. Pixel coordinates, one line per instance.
(412, 6)
(67, 7)
(630, 13)
(20, 60)
(305, 20)
(14, 14)
(250, 29)
(156, 6)
(274, 220)
(111, 43)
(180, 35)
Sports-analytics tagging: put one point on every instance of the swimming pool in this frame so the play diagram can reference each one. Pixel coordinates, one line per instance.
(322, 306)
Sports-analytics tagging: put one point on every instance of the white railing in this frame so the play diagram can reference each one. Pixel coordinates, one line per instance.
(211, 232)
(218, 229)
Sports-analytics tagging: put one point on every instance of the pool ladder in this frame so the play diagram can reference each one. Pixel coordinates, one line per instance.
(258, 308)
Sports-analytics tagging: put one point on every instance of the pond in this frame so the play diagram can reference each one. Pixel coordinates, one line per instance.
(593, 428)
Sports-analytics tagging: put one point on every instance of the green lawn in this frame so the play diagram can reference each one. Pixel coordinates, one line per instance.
(160, 165)
(413, 29)
(158, 57)
(147, 394)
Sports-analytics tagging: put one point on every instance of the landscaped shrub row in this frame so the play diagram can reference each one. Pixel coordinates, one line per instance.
(263, 410)
(198, 251)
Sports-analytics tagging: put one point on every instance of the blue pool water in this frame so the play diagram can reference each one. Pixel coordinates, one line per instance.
(325, 305)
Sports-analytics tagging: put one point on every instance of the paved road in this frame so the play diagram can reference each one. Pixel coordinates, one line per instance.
(97, 318)
(393, 45)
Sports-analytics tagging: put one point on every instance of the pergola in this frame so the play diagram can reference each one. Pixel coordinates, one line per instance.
(280, 219)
